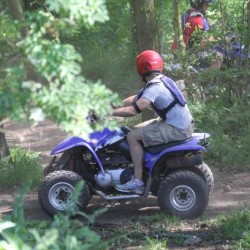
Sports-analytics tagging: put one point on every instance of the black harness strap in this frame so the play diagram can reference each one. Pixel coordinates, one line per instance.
(162, 113)
(171, 105)
(135, 106)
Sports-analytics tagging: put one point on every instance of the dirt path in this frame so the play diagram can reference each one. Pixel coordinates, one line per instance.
(232, 189)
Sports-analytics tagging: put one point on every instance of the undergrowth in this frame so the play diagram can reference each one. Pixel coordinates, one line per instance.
(165, 232)
(18, 168)
(63, 232)
(221, 108)
(76, 230)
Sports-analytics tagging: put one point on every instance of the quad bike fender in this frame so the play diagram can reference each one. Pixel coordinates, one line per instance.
(151, 160)
(201, 136)
(73, 142)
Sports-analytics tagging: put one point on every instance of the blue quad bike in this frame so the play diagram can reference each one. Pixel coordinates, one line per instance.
(174, 172)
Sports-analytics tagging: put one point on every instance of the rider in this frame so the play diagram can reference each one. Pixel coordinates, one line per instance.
(175, 124)
(194, 22)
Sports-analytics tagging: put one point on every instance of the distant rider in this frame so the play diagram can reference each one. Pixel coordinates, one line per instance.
(194, 23)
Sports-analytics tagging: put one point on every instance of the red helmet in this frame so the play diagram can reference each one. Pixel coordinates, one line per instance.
(149, 61)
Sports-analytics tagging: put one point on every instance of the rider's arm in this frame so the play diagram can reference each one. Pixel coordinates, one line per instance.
(125, 102)
(131, 110)
(129, 100)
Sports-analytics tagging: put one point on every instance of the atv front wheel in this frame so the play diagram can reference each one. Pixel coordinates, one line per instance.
(183, 194)
(58, 163)
(55, 192)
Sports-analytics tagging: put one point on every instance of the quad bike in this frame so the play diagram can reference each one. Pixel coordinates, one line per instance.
(174, 172)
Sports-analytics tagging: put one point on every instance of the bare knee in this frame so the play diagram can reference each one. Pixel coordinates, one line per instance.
(133, 136)
(130, 137)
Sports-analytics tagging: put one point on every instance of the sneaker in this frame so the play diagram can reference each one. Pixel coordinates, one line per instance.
(131, 186)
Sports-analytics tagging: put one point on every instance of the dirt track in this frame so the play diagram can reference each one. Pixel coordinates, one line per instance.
(232, 189)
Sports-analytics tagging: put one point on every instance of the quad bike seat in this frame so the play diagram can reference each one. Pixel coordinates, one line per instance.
(158, 148)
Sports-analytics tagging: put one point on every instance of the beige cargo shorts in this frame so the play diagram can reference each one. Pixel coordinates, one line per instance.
(158, 132)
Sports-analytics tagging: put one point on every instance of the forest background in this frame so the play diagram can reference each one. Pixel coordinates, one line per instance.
(62, 60)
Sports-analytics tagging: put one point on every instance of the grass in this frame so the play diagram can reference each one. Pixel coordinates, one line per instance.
(19, 168)
(155, 232)
(160, 231)
(61, 233)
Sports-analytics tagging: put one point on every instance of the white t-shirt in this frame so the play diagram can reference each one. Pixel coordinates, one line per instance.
(161, 97)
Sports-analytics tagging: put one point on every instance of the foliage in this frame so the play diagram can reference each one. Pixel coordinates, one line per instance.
(88, 11)
(63, 94)
(236, 228)
(155, 244)
(237, 224)
(219, 99)
(19, 168)
(229, 231)
(107, 49)
(62, 233)
(72, 55)
(157, 231)
(8, 36)
(222, 109)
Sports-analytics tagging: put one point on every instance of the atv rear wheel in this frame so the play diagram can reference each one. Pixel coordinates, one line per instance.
(55, 192)
(207, 174)
(183, 194)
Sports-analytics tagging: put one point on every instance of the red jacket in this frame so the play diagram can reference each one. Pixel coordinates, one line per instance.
(193, 23)
(192, 20)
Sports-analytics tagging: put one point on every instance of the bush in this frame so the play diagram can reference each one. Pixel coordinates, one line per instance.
(224, 113)
(61, 233)
(19, 168)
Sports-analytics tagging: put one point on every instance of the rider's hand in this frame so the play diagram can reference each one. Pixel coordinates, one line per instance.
(114, 106)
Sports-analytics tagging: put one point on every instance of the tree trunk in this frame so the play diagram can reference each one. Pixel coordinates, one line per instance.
(177, 24)
(15, 9)
(4, 149)
(247, 45)
(145, 33)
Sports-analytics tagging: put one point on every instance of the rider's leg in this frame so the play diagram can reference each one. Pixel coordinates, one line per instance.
(143, 124)
(217, 61)
(136, 151)
(136, 184)
(152, 134)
